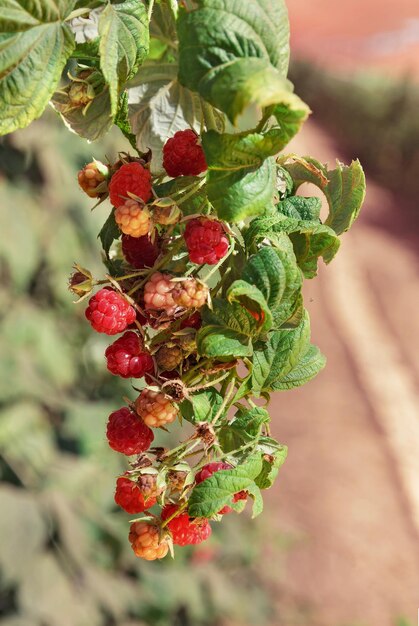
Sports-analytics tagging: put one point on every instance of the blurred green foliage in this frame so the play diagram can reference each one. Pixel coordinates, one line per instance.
(371, 116)
(64, 556)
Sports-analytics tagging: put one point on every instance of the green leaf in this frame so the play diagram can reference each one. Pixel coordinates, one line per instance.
(244, 428)
(91, 122)
(255, 494)
(124, 40)
(226, 331)
(270, 468)
(109, 233)
(122, 120)
(344, 188)
(202, 406)
(307, 368)
(159, 106)
(241, 178)
(163, 21)
(212, 494)
(235, 53)
(301, 208)
(274, 359)
(290, 113)
(252, 299)
(35, 43)
(181, 187)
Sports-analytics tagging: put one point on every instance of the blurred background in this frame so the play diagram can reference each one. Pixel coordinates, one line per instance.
(338, 542)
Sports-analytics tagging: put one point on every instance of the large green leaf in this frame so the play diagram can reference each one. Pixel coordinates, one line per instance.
(307, 368)
(270, 468)
(124, 40)
(235, 53)
(35, 44)
(244, 428)
(344, 188)
(202, 406)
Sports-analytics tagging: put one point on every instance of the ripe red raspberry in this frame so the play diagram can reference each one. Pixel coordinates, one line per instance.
(133, 219)
(206, 241)
(155, 408)
(140, 252)
(158, 293)
(108, 312)
(129, 497)
(131, 177)
(127, 357)
(190, 293)
(92, 175)
(169, 357)
(183, 156)
(146, 543)
(127, 433)
(186, 531)
(208, 470)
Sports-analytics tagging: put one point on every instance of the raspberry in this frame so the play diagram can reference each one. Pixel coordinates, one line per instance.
(80, 282)
(165, 213)
(183, 156)
(133, 219)
(108, 312)
(176, 479)
(206, 241)
(146, 543)
(193, 321)
(129, 497)
(208, 470)
(126, 357)
(147, 484)
(80, 93)
(155, 408)
(190, 294)
(158, 293)
(186, 531)
(90, 177)
(140, 252)
(131, 177)
(169, 357)
(127, 433)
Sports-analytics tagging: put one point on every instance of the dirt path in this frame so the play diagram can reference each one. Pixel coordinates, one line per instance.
(348, 496)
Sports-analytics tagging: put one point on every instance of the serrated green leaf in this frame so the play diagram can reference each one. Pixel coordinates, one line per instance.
(35, 43)
(109, 232)
(301, 208)
(290, 113)
(202, 406)
(344, 188)
(124, 40)
(212, 494)
(122, 120)
(255, 494)
(235, 53)
(244, 428)
(270, 468)
(253, 300)
(227, 331)
(307, 368)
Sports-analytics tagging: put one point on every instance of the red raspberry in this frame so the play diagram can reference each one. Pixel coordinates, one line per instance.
(133, 219)
(108, 312)
(131, 177)
(90, 177)
(193, 321)
(158, 293)
(185, 530)
(206, 241)
(140, 252)
(146, 543)
(183, 156)
(208, 470)
(129, 497)
(127, 433)
(127, 357)
(155, 408)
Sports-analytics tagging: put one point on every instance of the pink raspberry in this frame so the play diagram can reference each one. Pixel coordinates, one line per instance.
(206, 241)
(183, 156)
(127, 433)
(126, 357)
(208, 470)
(131, 177)
(108, 312)
(155, 408)
(186, 531)
(129, 496)
(158, 293)
(140, 252)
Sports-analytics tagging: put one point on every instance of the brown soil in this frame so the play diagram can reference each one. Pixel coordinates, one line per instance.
(347, 499)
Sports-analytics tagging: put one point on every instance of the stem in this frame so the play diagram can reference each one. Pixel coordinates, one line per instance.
(210, 384)
(150, 9)
(193, 191)
(226, 398)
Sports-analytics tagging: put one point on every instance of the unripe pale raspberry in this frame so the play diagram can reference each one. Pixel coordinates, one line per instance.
(128, 358)
(108, 312)
(206, 241)
(90, 177)
(169, 357)
(146, 543)
(183, 156)
(131, 177)
(155, 408)
(186, 531)
(127, 433)
(140, 252)
(158, 293)
(129, 496)
(176, 479)
(133, 219)
(190, 294)
(147, 484)
(208, 470)
(80, 93)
